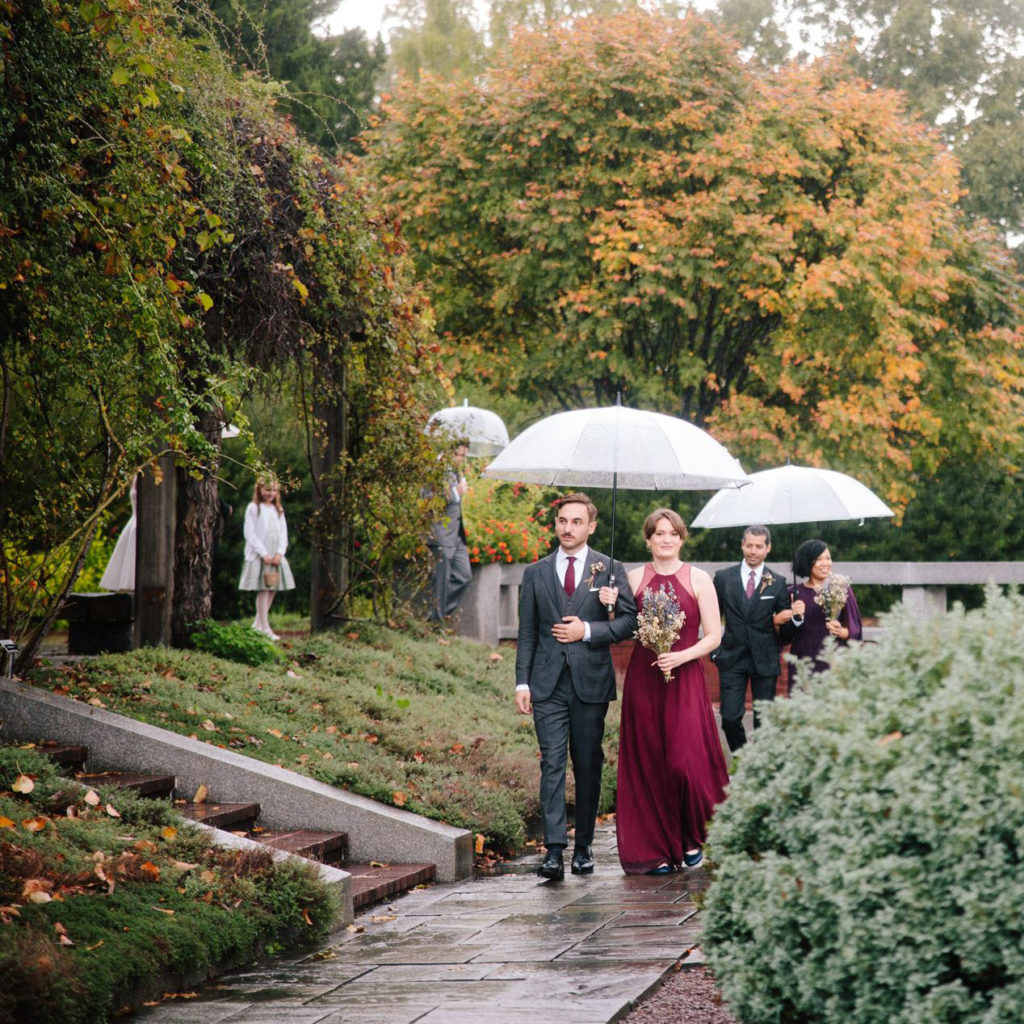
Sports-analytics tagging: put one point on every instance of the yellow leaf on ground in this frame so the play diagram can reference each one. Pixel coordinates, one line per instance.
(200, 795)
(398, 797)
(36, 824)
(23, 784)
(6, 822)
(151, 871)
(168, 832)
(37, 887)
(480, 840)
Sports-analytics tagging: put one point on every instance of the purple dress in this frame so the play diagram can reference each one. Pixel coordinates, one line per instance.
(671, 767)
(808, 639)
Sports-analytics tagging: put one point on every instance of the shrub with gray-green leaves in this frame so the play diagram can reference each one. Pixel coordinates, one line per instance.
(868, 857)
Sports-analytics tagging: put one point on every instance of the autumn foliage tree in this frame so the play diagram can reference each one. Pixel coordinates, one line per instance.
(624, 205)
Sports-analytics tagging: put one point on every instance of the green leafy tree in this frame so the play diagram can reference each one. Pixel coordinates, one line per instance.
(961, 66)
(436, 37)
(625, 206)
(95, 321)
(329, 82)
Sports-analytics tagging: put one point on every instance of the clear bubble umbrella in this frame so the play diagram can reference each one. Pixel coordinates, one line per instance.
(615, 447)
(483, 431)
(793, 494)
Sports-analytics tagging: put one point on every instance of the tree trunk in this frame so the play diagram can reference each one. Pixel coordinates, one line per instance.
(154, 553)
(197, 517)
(330, 534)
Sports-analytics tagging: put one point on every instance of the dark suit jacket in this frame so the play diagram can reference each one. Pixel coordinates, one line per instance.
(540, 658)
(749, 641)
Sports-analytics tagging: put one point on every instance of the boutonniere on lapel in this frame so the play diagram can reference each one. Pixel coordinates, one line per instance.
(594, 570)
(767, 579)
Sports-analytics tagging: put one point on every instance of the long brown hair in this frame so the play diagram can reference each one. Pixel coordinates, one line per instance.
(268, 481)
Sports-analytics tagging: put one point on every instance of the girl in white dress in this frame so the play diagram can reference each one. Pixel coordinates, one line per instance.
(266, 569)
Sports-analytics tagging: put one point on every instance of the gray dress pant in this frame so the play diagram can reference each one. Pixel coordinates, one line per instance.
(564, 721)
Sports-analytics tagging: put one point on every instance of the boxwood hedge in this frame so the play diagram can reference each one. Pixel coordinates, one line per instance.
(868, 857)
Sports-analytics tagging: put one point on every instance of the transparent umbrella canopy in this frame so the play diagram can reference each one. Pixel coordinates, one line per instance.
(483, 430)
(614, 447)
(793, 494)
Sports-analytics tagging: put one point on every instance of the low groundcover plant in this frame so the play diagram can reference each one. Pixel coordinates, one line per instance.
(106, 898)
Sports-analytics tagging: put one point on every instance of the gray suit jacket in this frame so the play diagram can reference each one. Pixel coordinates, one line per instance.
(449, 532)
(540, 658)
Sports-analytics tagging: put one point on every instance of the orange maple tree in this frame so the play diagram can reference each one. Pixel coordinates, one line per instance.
(624, 205)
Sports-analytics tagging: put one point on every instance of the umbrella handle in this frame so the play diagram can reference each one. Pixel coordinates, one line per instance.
(610, 608)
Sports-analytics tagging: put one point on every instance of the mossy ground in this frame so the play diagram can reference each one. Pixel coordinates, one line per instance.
(106, 898)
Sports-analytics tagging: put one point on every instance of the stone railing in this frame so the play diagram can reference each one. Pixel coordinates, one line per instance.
(490, 609)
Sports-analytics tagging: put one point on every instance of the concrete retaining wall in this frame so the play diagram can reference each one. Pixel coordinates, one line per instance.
(288, 800)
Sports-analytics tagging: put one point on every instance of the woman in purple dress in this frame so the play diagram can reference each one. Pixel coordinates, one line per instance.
(813, 561)
(672, 770)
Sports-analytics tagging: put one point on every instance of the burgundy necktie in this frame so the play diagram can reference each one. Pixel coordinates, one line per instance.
(570, 576)
(750, 584)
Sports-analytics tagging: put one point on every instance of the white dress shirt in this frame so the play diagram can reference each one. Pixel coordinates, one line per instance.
(758, 573)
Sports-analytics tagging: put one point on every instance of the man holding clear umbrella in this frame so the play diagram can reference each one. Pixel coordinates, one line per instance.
(452, 571)
(564, 673)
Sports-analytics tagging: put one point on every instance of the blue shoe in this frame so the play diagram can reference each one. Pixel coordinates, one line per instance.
(661, 869)
(693, 860)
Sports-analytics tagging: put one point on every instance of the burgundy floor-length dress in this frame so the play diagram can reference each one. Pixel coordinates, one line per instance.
(672, 770)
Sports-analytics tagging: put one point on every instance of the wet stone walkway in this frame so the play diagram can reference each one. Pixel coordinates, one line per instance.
(492, 949)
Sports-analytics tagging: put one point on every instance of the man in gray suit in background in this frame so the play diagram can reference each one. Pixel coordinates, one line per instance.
(565, 676)
(452, 571)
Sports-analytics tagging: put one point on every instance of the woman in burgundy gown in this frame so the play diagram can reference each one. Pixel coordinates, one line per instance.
(672, 770)
(813, 561)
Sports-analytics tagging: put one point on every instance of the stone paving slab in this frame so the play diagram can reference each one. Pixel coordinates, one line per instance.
(497, 948)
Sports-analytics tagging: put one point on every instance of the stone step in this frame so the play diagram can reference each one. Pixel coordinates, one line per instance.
(230, 817)
(326, 847)
(374, 882)
(67, 756)
(371, 882)
(143, 784)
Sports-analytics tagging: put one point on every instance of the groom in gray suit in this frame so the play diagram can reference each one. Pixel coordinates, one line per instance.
(565, 676)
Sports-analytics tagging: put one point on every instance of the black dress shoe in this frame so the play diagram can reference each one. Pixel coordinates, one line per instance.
(553, 866)
(582, 861)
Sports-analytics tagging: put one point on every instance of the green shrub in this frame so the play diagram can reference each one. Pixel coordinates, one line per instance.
(868, 858)
(235, 642)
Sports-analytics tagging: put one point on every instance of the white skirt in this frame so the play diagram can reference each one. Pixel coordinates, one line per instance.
(120, 571)
(252, 575)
